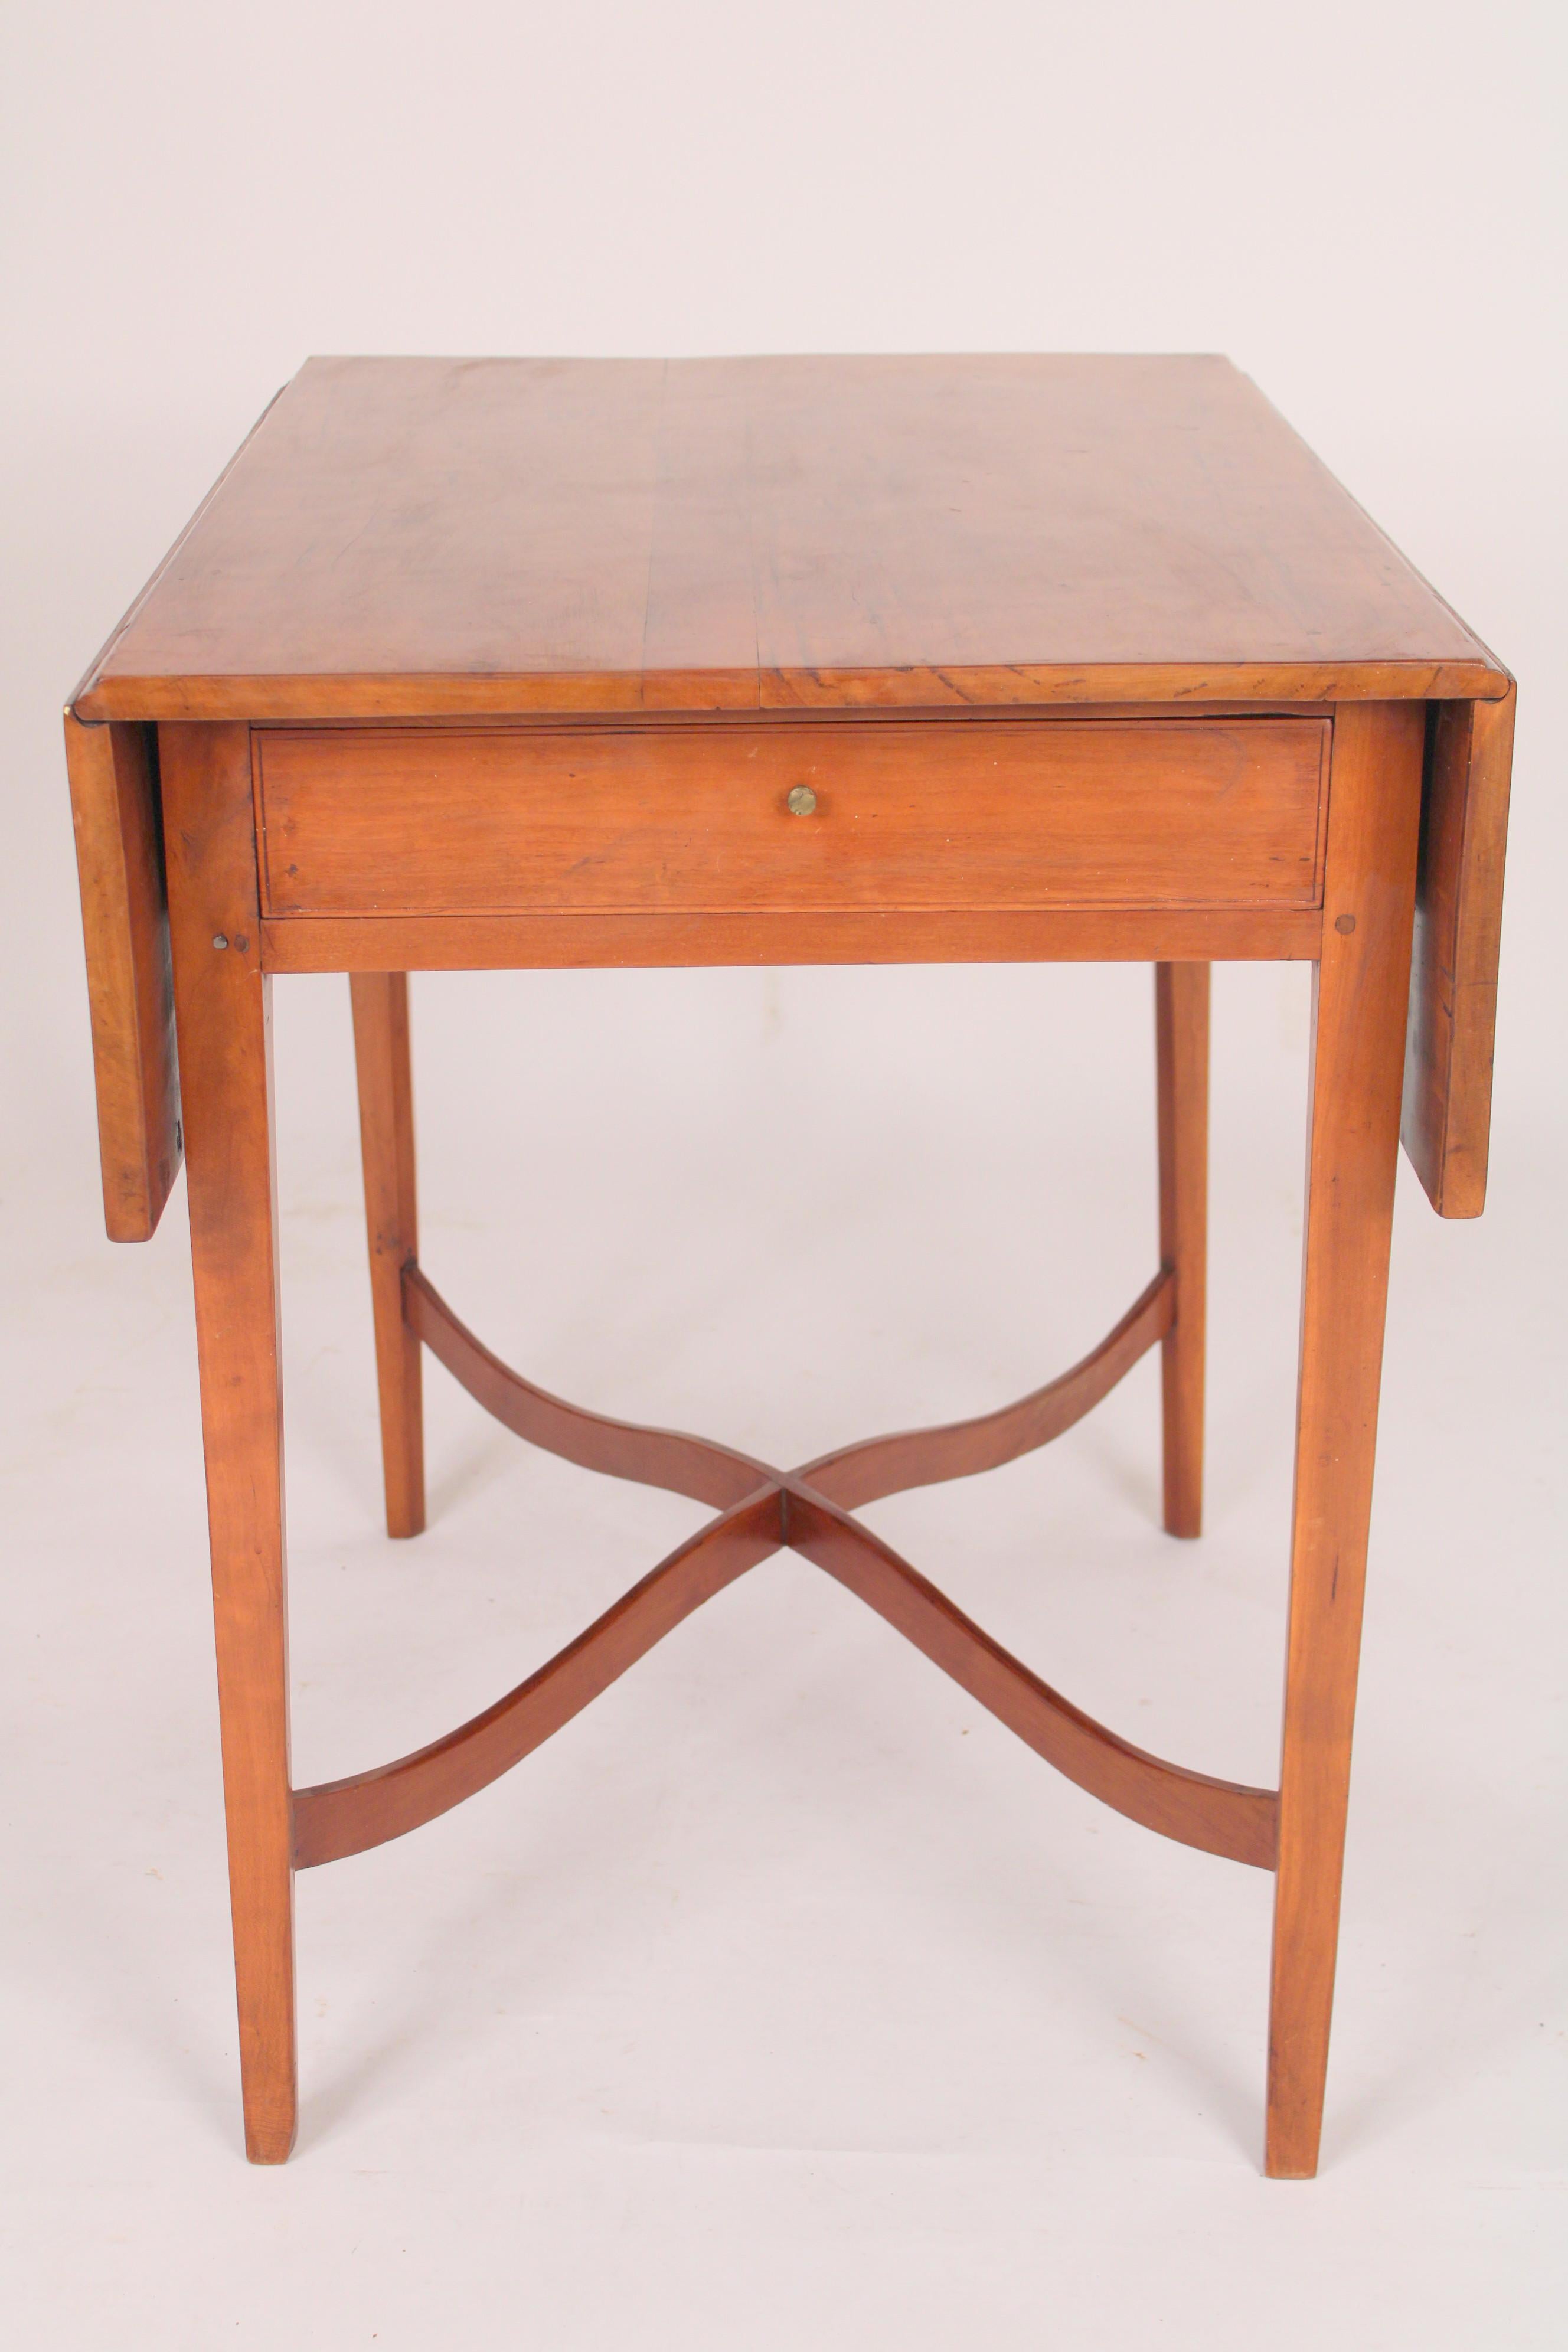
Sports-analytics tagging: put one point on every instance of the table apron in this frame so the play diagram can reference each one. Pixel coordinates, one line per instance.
(1043, 839)
(643, 942)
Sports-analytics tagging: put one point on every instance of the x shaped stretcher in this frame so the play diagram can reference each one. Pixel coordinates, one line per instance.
(760, 1511)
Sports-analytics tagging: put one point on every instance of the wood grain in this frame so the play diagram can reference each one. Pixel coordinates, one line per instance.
(392, 821)
(1446, 1121)
(221, 1000)
(380, 1001)
(125, 922)
(1182, 1105)
(1353, 1143)
(409, 537)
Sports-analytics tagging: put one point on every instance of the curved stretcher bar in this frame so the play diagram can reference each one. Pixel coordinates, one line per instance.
(925, 1457)
(763, 1511)
(1219, 1816)
(622, 1449)
(343, 1817)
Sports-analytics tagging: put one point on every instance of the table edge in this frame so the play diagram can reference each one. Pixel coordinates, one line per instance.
(405, 695)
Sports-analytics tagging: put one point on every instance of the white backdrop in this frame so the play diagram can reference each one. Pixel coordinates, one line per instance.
(784, 1999)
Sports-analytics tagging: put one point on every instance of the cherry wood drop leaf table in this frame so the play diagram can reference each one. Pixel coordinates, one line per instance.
(531, 663)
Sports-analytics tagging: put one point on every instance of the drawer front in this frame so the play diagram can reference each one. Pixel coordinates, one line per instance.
(698, 818)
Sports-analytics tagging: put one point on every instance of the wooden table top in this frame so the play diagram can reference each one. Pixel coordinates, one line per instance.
(426, 539)
(429, 538)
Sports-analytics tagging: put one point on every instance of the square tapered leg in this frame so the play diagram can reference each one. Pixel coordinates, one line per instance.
(224, 1015)
(1358, 1051)
(386, 1142)
(1181, 1091)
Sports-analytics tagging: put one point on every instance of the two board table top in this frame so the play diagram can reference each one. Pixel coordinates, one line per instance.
(511, 663)
(415, 537)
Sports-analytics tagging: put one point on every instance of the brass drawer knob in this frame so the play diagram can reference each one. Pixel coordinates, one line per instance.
(802, 800)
